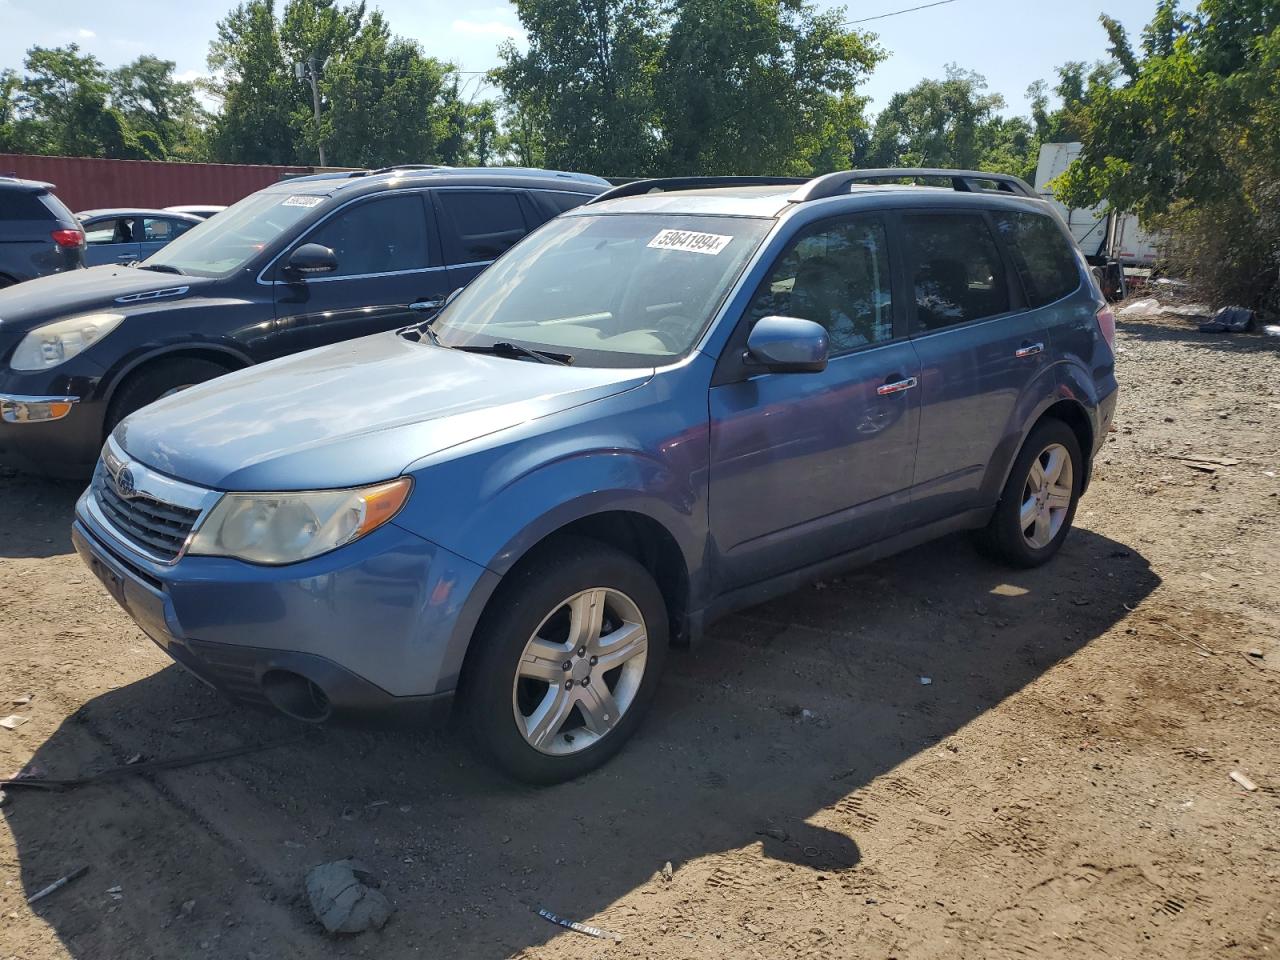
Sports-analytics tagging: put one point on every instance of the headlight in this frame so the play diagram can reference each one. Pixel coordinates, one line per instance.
(51, 344)
(277, 528)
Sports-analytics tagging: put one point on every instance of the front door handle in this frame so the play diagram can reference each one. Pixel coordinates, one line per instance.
(433, 304)
(1028, 350)
(897, 386)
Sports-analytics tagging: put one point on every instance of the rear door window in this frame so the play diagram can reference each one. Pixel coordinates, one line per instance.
(955, 268)
(385, 235)
(1045, 261)
(560, 202)
(480, 225)
(114, 230)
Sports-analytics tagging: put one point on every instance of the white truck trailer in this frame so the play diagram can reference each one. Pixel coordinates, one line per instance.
(1115, 245)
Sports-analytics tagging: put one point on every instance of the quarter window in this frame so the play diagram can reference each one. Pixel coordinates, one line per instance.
(386, 235)
(956, 270)
(835, 274)
(1041, 254)
(485, 222)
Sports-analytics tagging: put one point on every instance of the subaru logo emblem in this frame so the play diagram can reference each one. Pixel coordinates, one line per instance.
(124, 483)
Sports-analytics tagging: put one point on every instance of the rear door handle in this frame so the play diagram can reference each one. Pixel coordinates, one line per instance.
(897, 386)
(1028, 350)
(434, 304)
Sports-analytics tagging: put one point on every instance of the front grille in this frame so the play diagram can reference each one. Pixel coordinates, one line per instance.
(159, 529)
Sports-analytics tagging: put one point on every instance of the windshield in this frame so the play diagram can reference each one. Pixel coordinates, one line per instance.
(222, 245)
(624, 290)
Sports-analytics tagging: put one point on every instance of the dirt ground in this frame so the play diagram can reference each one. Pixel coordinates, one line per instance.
(932, 757)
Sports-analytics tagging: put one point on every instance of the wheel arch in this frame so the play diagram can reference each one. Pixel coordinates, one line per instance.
(225, 356)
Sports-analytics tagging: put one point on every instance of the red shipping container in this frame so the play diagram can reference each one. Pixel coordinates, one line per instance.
(89, 183)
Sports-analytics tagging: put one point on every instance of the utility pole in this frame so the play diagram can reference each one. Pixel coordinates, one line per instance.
(307, 71)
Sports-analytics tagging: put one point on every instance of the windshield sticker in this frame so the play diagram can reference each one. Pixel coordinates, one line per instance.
(690, 242)
(302, 200)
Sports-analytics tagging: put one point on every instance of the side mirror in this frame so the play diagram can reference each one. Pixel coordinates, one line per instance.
(311, 259)
(787, 345)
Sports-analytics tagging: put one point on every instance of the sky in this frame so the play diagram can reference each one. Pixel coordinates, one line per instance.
(1011, 44)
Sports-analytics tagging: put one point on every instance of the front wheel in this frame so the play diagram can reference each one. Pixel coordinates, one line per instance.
(1039, 499)
(567, 660)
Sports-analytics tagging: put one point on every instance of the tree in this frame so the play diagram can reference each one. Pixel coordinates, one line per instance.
(1188, 136)
(384, 99)
(761, 86)
(156, 104)
(62, 105)
(587, 80)
(937, 123)
(256, 86)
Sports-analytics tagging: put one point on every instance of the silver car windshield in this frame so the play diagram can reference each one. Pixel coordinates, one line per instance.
(616, 290)
(224, 244)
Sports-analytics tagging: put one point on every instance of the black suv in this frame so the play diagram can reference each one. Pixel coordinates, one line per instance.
(38, 234)
(303, 263)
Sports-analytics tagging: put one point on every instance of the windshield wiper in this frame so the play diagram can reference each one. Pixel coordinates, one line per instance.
(505, 349)
(161, 268)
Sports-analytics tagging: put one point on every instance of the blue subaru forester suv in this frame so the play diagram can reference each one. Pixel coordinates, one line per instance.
(684, 397)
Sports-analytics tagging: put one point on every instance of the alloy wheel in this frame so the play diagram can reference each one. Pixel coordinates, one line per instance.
(1046, 497)
(580, 671)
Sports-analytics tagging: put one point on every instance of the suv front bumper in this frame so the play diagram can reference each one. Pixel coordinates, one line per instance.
(377, 627)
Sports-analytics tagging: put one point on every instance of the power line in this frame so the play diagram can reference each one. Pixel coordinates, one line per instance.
(895, 13)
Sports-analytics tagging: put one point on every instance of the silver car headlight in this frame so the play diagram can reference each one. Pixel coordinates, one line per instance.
(279, 528)
(53, 343)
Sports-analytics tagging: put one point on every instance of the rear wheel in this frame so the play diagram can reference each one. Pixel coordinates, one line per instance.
(567, 659)
(156, 380)
(1039, 501)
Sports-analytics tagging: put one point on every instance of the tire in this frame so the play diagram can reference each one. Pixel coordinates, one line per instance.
(1005, 537)
(154, 381)
(532, 613)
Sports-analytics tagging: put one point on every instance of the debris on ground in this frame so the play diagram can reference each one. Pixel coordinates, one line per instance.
(23, 700)
(343, 900)
(580, 927)
(925, 681)
(1229, 320)
(667, 870)
(13, 721)
(1244, 781)
(58, 884)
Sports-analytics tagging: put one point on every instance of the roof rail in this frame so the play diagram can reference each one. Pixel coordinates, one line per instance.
(394, 167)
(666, 184)
(964, 181)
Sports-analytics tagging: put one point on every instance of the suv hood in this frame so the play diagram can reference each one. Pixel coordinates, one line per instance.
(350, 414)
(27, 305)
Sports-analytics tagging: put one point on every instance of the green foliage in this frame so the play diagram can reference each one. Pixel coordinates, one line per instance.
(761, 87)
(66, 102)
(1188, 136)
(587, 82)
(384, 101)
(955, 123)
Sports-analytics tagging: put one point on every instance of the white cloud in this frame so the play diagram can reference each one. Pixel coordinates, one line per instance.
(491, 28)
(84, 34)
(186, 76)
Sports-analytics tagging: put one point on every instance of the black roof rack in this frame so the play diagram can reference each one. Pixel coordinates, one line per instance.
(664, 184)
(965, 181)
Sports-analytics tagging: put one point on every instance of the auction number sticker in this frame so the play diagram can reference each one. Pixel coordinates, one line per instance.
(690, 242)
(302, 200)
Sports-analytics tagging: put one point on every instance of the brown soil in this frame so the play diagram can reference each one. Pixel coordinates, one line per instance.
(1059, 789)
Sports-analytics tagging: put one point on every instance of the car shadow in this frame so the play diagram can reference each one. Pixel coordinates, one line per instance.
(777, 715)
(34, 514)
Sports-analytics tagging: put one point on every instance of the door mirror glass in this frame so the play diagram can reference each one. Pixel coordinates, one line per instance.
(311, 259)
(788, 345)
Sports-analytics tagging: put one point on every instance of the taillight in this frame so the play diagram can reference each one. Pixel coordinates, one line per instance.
(1107, 326)
(68, 238)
